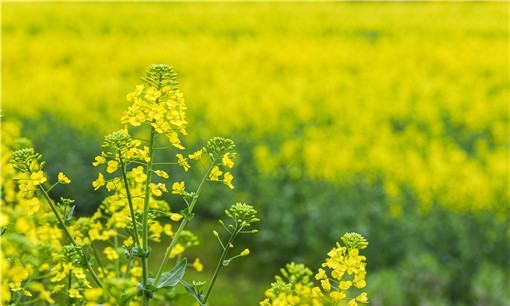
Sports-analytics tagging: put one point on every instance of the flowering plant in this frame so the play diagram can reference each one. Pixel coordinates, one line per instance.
(50, 256)
(106, 258)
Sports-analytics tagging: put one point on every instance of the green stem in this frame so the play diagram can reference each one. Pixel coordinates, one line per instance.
(219, 266)
(68, 233)
(145, 224)
(69, 284)
(30, 302)
(117, 262)
(181, 226)
(130, 201)
(94, 251)
(128, 267)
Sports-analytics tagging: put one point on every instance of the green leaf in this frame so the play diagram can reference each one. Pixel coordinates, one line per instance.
(172, 277)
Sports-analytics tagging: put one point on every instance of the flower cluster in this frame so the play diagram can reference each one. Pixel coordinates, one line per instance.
(159, 103)
(293, 287)
(342, 273)
(30, 236)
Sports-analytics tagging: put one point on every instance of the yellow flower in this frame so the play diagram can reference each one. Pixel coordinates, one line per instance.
(344, 285)
(93, 294)
(326, 285)
(22, 225)
(337, 295)
(63, 179)
(128, 242)
(361, 283)
(227, 161)
(136, 271)
(99, 182)
(245, 252)
(111, 254)
(182, 162)
(362, 298)
(162, 174)
(175, 217)
(178, 188)
(215, 173)
(98, 160)
(57, 288)
(157, 189)
(197, 155)
(197, 265)
(316, 292)
(167, 229)
(38, 177)
(227, 180)
(321, 275)
(352, 303)
(112, 166)
(74, 293)
(178, 249)
(112, 185)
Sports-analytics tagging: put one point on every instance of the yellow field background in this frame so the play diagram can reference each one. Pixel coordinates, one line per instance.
(408, 100)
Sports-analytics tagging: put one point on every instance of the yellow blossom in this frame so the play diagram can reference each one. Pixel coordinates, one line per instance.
(74, 293)
(196, 155)
(111, 254)
(136, 271)
(99, 182)
(362, 298)
(215, 173)
(38, 177)
(337, 295)
(162, 174)
(112, 166)
(175, 217)
(182, 162)
(98, 160)
(178, 188)
(93, 294)
(63, 179)
(178, 249)
(326, 285)
(344, 285)
(227, 180)
(352, 302)
(227, 161)
(197, 265)
(167, 229)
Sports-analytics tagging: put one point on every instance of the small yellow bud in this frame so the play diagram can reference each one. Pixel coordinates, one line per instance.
(175, 217)
(245, 252)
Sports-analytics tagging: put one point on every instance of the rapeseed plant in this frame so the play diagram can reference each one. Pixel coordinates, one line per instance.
(104, 258)
(49, 256)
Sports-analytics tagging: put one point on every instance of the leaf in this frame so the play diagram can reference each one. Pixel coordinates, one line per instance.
(172, 277)
(69, 216)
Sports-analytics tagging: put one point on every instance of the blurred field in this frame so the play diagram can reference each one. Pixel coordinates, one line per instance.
(389, 119)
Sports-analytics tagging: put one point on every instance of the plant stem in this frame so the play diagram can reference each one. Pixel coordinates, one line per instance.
(183, 224)
(94, 251)
(145, 225)
(130, 201)
(68, 233)
(128, 267)
(219, 266)
(69, 284)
